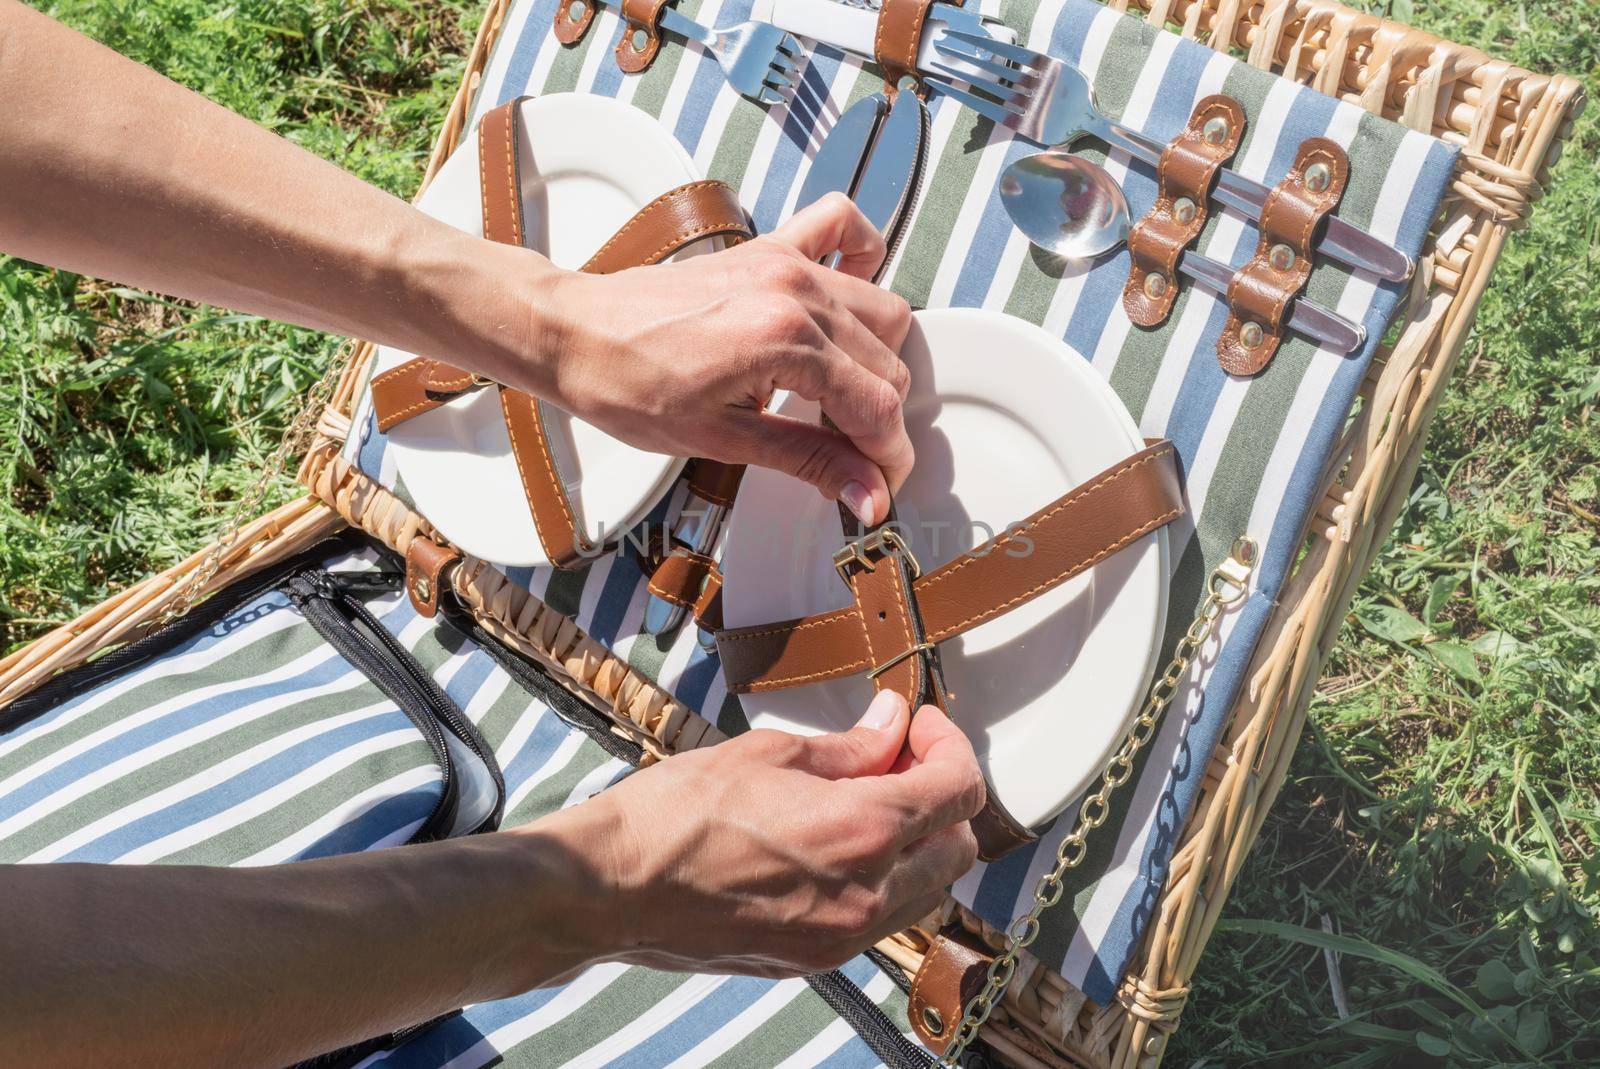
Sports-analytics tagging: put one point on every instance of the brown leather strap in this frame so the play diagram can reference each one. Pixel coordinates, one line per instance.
(569, 30)
(670, 223)
(641, 34)
(1260, 293)
(681, 577)
(716, 482)
(1073, 533)
(426, 561)
(1187, 170)
(952, 973)
(899, 39)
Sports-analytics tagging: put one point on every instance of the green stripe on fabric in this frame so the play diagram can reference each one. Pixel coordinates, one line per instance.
(293, 815)
(737, 142)
(180, 765)
(779, 1036)
(502, 715)
(552, 793)
(240, 666)
(647, 653)
(656, 83)
(610, 1011)
(944, 191)
(568, 64)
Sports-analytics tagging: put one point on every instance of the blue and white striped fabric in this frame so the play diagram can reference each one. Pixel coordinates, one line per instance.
(1252, 450)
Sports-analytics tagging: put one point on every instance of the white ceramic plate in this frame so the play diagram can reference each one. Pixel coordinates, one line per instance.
(1004, 419)
(588, 164)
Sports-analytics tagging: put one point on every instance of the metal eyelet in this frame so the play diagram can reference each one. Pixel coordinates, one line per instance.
(1215, 131)
(1251, 335)
(1281, 257)
(1155, 285)
(576, 11)
(1184, 210)
(1318, 177)
(640, 40)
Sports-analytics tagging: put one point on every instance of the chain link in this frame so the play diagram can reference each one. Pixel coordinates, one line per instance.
(1228, 584)
(295, 438)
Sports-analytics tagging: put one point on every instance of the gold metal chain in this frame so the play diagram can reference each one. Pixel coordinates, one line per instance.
(295, 437)
(1228, 584)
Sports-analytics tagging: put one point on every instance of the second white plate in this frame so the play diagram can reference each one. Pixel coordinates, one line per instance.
(1004, 419)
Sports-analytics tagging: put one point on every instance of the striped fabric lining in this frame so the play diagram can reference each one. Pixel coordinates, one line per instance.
(1252, 450)
(253, 743)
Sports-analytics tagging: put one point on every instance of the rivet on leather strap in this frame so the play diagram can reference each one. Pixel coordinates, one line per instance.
(641, 34)
(1261, 291)
(952, 973)
(1186, 172)
(899, 40)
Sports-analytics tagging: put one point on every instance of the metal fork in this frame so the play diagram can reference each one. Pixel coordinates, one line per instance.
(1049, 101)
(758, 59)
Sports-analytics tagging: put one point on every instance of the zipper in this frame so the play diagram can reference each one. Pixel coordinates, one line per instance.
(347, 625)
(84, 677)
(870, 1023)
(532, 676)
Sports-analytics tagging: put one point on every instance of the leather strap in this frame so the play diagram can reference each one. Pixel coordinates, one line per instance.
(639, 16)
(1260, 293)
(716, 482)
(569, 30)
(899, 39)
(673, 221)
(1073, 533)
(661, 228)
(1186, 173)
(426, 561)
(952, 973)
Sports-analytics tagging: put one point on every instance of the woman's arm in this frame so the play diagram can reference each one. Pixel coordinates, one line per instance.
(119, 173)
(770, 855)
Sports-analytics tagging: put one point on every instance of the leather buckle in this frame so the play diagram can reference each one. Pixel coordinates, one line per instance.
(879, 542)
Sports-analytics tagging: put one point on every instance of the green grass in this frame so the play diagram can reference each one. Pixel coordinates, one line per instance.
(1443, 810)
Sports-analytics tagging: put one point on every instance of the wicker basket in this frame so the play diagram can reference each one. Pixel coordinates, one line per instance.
(1511, 124)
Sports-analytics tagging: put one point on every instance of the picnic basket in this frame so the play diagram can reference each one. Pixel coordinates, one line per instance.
(1509, 124)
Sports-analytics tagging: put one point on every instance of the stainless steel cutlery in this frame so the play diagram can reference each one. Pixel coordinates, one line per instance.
(1050, 102)
(758, 59)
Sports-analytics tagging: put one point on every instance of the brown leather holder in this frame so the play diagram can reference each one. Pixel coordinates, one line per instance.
(1260, 293)
(1186, 173)
(569, 30)
(641, 34)
(899, 614)
(658, 230)
(426, 562)
(952, 973)
(899, 40)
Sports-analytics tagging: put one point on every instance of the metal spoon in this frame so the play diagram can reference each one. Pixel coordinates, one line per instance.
(1072, 207)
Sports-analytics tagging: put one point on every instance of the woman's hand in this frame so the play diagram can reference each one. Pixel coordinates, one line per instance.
(777, 855)
(682, 357)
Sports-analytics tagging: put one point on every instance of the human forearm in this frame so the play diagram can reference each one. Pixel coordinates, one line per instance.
(193, 966)
(120, 173)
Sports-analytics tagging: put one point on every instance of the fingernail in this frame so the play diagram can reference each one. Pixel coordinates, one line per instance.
(858, 500)
(882, 712)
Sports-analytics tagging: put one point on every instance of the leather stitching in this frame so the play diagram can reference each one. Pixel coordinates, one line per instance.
(902, 609)
(917, 999)
(1131, 536)
(506, 401)
(649, 209)
(1130, 464)
(745, 634)
(789, 681)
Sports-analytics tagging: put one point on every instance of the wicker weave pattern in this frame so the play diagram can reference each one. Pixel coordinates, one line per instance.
(1510, 124)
